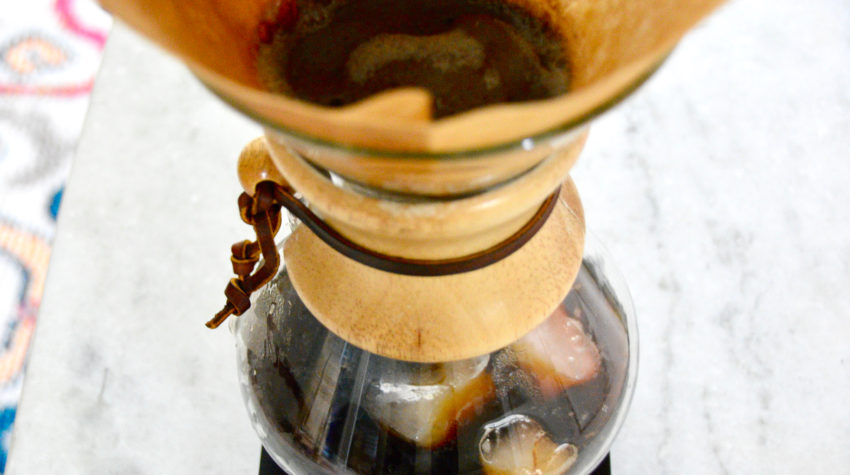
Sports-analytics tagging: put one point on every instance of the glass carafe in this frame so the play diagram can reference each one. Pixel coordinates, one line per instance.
(552, 401)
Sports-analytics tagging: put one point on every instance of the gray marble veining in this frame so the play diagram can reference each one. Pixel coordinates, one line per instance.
(720, 188)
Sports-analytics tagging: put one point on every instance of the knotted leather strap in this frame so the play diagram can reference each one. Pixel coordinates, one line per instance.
(262, 211)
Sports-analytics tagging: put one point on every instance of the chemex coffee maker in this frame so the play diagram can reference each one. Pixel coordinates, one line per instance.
(419, 295)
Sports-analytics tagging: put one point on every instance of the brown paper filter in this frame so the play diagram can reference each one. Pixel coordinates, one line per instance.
(611, 45)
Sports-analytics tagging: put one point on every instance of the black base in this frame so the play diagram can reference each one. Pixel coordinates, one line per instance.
(269, 467)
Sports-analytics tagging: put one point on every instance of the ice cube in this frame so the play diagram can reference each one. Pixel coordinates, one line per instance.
(518, 445)
(427, 406)
(558, 353)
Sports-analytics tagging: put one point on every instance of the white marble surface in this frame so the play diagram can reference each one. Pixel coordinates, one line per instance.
(720, 188)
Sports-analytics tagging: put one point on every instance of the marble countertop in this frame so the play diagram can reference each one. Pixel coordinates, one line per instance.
(720, 189)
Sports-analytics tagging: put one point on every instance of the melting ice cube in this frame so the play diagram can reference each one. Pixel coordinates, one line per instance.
(518, 445)
(558, 353)
(426, 406)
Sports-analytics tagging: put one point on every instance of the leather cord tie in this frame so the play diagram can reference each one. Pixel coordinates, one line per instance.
(262, 211)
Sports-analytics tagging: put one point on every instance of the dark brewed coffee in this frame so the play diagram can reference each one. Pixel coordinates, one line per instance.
(468, 53)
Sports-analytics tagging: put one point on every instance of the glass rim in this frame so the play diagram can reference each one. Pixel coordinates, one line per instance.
(522, 143)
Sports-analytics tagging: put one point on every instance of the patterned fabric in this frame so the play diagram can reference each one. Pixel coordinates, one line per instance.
(49, 54)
